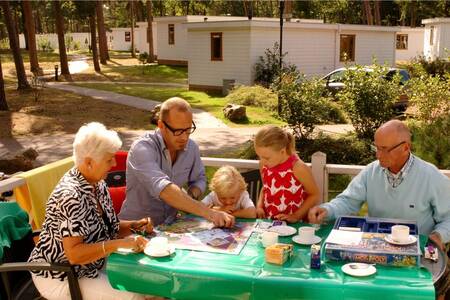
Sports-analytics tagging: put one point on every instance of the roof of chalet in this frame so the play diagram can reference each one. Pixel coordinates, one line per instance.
(274, 23)
(435, 21)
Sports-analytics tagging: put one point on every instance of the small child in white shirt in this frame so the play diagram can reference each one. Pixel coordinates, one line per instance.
(229, 194)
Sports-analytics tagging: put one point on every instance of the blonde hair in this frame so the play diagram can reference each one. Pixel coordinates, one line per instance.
(176, 103)
(227, 179)
(94, 140)
(275, 138)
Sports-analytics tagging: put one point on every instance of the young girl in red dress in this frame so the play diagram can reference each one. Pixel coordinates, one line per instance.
(289, 189)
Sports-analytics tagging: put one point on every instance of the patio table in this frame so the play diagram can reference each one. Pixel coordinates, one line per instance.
(204, 275)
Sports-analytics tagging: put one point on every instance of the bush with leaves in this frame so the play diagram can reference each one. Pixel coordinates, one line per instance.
(44, 44)
(253, 96)
(436, 67)
(368, 98)
(430, 101)
(267, 69)
(143, 59)
(346, 149)
(305, 103)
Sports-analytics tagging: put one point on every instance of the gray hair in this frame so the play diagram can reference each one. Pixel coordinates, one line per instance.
(94, 140)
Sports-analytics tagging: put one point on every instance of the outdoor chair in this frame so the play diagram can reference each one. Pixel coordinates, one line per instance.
(16, 282)
(116, 180)
(254, 184)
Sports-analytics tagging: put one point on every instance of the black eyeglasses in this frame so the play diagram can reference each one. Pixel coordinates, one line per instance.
(178, 132)
(375, 148)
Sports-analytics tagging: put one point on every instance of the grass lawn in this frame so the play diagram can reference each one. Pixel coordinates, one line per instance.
(201, 100)
(62, 112)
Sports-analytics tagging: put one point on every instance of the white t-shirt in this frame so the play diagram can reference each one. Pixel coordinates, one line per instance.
(243, 202)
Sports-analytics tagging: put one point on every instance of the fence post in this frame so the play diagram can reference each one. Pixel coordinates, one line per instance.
(318, 164)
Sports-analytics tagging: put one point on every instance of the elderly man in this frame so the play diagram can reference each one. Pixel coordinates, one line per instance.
(398, 185)
(160, 163)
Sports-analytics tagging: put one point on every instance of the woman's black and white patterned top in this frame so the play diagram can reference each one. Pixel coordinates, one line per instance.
(71, 211)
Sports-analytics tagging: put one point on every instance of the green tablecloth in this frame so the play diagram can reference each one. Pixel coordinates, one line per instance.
(13, 224)
(204, 275)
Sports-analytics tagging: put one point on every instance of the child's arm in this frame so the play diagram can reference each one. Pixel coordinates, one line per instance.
(248, 213)
(303, 173)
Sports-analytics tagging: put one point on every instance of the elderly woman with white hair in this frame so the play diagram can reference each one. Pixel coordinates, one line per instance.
(81, 227)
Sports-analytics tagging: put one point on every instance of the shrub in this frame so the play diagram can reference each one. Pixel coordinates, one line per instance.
(368, 98)
(437, 67)
(305, 103)
(253, 96)
(339, 150)
(267, 69)
(44, 44)
(430, 100)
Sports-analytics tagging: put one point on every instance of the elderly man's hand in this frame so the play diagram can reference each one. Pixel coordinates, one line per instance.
(221, 219)
(317, 214)
(436, 238)
(194, 192)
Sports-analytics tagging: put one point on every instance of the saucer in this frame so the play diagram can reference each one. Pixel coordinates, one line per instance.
(411, 239)
(361, 269)
(299, 240)
(283, 230)
(150, 251)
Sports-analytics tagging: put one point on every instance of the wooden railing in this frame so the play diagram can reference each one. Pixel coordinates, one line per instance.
(320, 169)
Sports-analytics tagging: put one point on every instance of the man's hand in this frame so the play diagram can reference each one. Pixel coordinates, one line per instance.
(142, 226)
(317, 214)
(436, 238)
(290, 218)
(194, 192)
(227, 208)
(221, 219)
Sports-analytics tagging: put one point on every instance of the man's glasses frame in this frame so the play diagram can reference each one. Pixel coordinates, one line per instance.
(375, 148)
(178, 132)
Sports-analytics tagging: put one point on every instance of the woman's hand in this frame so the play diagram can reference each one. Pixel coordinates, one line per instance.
(290, 218)
(137, 243)
(142, 226)
(260, 214)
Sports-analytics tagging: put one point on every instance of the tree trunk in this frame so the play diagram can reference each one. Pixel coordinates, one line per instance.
(94, 43)
(3, 103)
(413, 8)
(133, 51)
(22, 82)
(29, 24)
(151, 53)
(368, 12)
(102, 43)
(61, 43)
(377, 13)
(38, 19)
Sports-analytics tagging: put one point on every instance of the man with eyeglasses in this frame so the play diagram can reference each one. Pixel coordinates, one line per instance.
(160, 164)
(398, 185)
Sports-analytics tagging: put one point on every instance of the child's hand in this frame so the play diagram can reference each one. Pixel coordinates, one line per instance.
(260, 214)
(290, 218)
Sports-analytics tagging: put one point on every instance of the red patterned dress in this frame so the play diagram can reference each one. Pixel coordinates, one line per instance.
(282, 191)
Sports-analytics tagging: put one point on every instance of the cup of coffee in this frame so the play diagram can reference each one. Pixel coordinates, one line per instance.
(268, 238)
(159, 244)
(400, 233)
(306, 233)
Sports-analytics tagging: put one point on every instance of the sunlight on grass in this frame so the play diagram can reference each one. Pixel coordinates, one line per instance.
(201, 100)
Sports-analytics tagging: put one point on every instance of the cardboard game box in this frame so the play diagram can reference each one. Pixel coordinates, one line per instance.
(365, 239)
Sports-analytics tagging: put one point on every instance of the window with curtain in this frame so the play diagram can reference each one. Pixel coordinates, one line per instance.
(216, 46)
(347, 48)
(171, 31)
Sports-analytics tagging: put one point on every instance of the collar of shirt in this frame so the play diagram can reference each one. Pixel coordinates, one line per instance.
(163, 145)
(396, 179)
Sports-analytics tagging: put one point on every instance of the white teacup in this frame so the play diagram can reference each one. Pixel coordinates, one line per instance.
(159, 244)
(306, 233)
(268, 238)
(400, 233)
